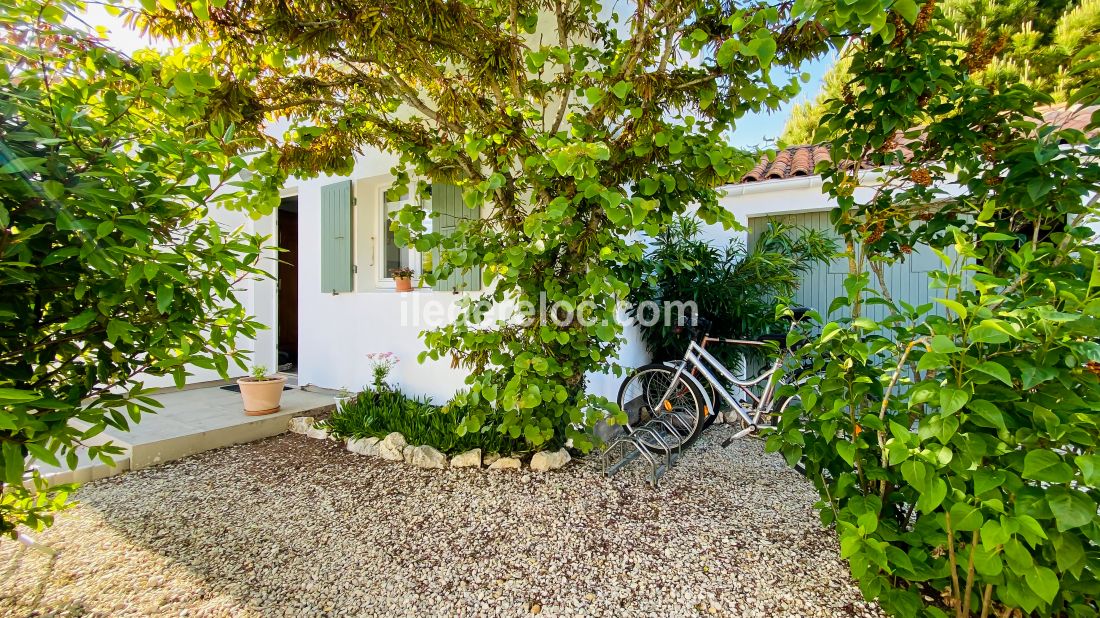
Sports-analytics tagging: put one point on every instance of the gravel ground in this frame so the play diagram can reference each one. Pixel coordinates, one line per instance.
(291, 526)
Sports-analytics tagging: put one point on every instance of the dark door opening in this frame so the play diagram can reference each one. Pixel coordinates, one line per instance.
(287, 347)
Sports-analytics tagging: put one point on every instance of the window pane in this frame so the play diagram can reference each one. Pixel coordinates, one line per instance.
(395, 257)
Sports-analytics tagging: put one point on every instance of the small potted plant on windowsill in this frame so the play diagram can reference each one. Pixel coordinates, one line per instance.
(403, 278)
(261, 392)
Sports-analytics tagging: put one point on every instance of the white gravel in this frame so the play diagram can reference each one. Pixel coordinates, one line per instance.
(296, 527)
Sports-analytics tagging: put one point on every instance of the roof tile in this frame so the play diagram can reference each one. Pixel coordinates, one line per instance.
(801, 161)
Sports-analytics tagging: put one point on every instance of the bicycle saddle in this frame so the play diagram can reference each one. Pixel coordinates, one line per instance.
(799, 313)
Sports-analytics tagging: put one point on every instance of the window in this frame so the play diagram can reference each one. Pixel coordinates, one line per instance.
(392, 256)
(443, 210)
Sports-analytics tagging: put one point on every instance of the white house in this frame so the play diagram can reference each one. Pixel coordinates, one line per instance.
(332, 300)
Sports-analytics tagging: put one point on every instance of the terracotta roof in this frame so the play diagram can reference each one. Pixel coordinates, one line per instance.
(790, 163)
(799, 161)
(1076, 118)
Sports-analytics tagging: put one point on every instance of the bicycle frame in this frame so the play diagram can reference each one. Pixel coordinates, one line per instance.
(744, 385)
(697, 359)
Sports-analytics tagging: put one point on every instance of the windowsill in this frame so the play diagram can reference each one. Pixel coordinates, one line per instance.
(390, 284)
(393, 290)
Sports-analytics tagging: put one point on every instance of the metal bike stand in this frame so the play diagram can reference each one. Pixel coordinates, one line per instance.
(648, 429)
(672, 439)
(674, 419)
(618, 450)
(659, 430)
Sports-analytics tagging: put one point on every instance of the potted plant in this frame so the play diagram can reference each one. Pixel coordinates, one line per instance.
(261, 392)
(403, 278)
(343, 397)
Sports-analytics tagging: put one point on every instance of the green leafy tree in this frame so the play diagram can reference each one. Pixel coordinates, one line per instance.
(1038, 43)
(109, 268)
(573, 129)
(955, 451)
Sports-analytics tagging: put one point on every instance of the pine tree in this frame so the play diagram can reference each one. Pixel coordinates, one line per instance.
(1030, 41)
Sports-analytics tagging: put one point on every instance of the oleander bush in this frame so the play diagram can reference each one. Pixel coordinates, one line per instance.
(379, 413)
(954, 444)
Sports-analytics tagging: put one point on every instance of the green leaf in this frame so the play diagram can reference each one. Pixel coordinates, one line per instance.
(932, 360)
(164, 297)
(531, 397)
(200, 9)
(182, 80)
(965, 517)
(944, 344)
(987, 412)
(907, 9)
(1044, 582)
(621, 89)
(847, 452)
(932, 489)
(986, 479)
(15, 396)
(42, 454)
(953, 305)
(13, 463)
(727, 52)
(83, 319)
(1090, 469)
(1071, 508)
(763, 48)
(533, 435)
(1047, 466)
(996, 370)
(1069, 553)
(952, 399)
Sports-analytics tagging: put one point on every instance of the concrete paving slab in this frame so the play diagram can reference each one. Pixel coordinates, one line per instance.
(191, 421)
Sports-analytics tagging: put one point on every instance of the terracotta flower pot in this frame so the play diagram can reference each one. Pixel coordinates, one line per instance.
(261, 396)
(404, 284)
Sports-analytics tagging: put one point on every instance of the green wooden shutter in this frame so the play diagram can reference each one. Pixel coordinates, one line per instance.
(336, 238)
(448, 209)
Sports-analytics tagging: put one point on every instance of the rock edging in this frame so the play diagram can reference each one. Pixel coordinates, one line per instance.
(394, 448)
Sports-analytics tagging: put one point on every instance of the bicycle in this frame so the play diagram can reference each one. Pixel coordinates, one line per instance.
(686, 390)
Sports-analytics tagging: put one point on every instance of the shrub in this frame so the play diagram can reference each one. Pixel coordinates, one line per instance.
(955, 451)
(110, 269)
(380, 413)
(732, 285)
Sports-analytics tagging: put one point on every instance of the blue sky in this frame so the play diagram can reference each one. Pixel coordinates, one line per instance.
(756, 129)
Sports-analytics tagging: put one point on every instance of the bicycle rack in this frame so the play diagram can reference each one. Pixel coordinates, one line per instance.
(659, 429)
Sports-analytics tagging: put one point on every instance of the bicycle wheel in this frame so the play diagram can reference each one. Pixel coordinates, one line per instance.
(642, 397)
(716, 401)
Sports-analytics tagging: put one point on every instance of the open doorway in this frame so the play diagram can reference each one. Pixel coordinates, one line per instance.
(287, 347)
